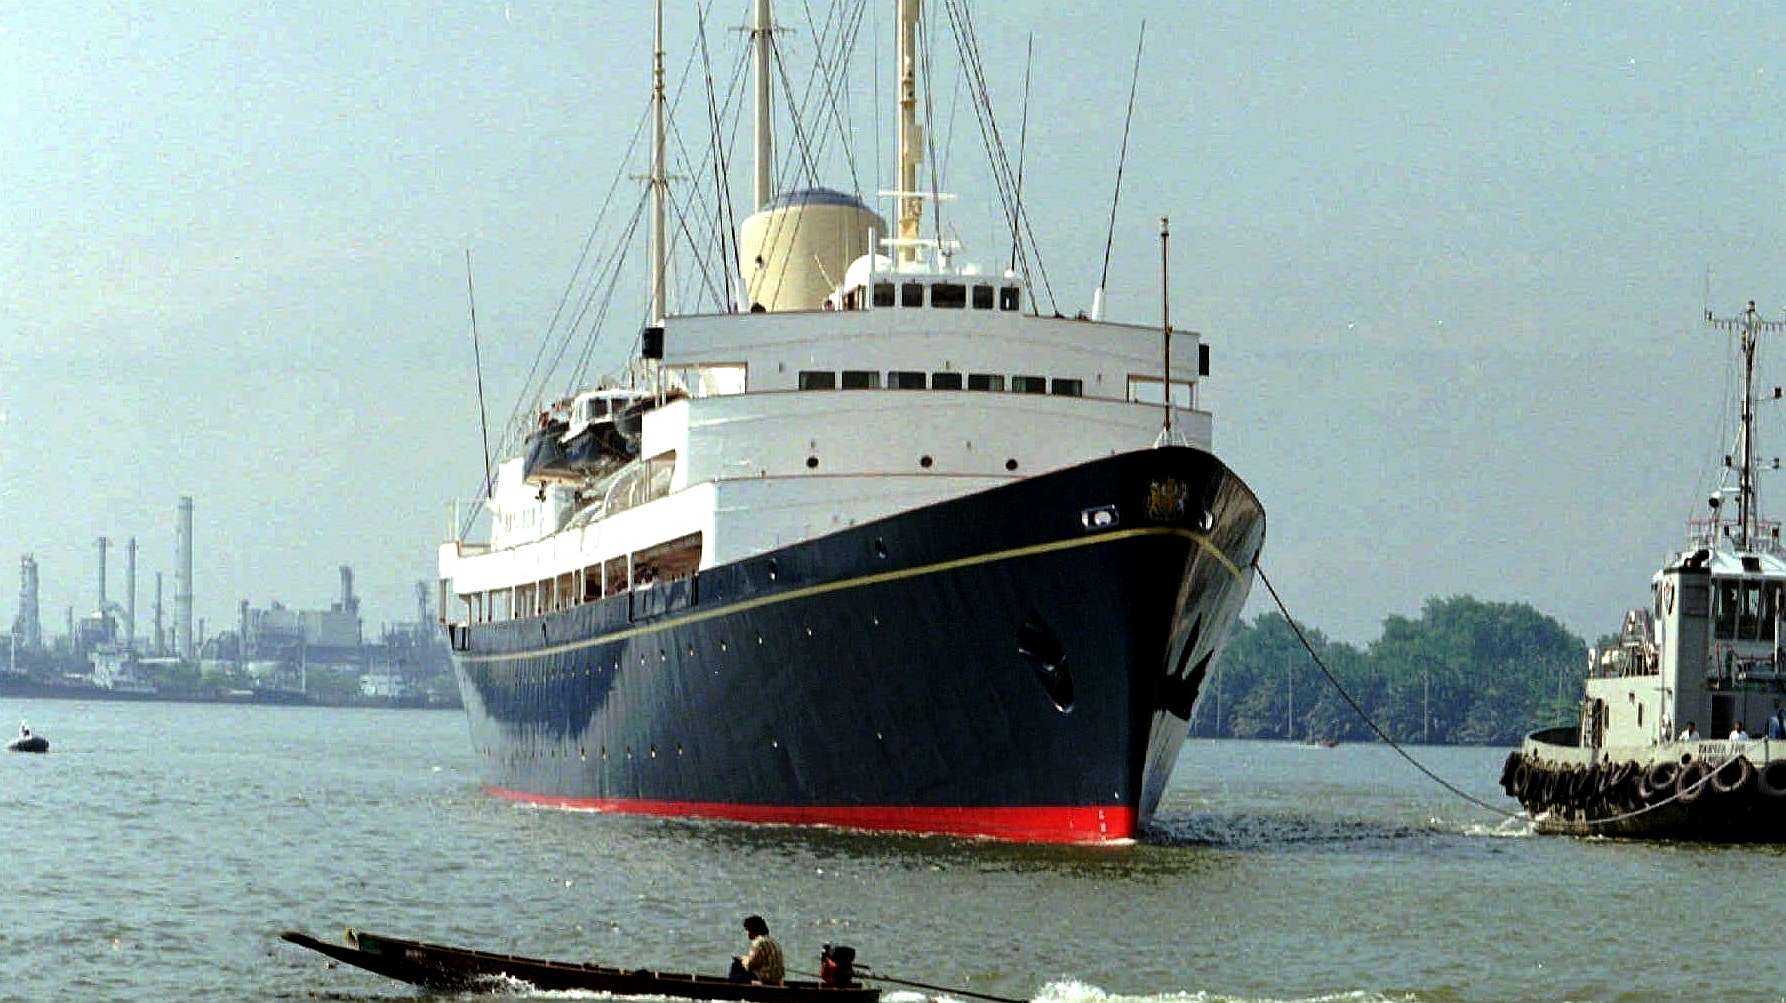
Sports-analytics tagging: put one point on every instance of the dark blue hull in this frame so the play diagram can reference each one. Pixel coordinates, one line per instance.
(1019, 663)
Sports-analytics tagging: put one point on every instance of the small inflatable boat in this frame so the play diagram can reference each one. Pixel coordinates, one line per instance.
(28, 743)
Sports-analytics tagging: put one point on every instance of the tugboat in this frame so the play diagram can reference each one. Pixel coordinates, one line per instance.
(1680, 732)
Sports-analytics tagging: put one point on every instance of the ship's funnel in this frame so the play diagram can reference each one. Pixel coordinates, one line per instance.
(793, 253)
(184, 645)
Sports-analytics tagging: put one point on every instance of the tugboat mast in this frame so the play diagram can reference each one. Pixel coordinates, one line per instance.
(1750, 325)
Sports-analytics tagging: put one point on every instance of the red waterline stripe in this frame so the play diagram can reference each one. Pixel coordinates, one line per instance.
(1024, 824)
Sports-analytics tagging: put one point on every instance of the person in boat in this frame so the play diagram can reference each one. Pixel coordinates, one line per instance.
(24, 730)
(762, 963)
(1691, 734)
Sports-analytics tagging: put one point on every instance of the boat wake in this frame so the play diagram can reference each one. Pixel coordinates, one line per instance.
(1507, 828)
(1072, 991)
(1253, 831)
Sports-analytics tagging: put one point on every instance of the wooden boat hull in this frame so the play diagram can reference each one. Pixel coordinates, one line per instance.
(441, 968)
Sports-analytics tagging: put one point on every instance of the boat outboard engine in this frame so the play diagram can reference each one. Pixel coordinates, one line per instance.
(837, 967)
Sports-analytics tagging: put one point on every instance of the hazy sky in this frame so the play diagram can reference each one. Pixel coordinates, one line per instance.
(1450, 262)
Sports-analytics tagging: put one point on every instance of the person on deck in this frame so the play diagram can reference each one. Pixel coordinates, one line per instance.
(1691, 734)
(763, 962)
(1737, 734)
(1776, 725)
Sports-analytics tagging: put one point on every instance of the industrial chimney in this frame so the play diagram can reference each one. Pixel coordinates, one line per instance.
(102, 543)
(160, 638)
(183, 645)
(130, 596)
(348, 603)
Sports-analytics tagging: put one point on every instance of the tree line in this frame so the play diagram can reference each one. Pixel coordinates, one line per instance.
(1463, 672)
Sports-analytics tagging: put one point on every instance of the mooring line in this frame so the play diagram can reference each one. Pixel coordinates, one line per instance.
(1441, 781)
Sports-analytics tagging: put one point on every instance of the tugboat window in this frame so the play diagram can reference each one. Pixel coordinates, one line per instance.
(945, 381)
(883, 294)
(948, 295)
(986, 381)
(1008, 298)
(1748, 625)
(1069, 388)
(858, 379)
(1029, 385)
(905, 380)
(813, 380)
(982, 297)
(1727, 602)
(911, 294)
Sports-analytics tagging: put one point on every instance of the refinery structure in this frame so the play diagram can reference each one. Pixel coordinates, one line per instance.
(271, 653)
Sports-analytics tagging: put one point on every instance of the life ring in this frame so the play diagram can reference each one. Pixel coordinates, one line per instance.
(1657, 780)
(1733, 776)
(1770, 780)
(1688, 786)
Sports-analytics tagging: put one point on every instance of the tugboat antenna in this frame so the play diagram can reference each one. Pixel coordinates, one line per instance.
(1750, 325)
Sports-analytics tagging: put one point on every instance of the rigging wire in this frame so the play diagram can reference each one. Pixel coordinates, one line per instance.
(478, 361)
(1029, 54)
(1123, 156)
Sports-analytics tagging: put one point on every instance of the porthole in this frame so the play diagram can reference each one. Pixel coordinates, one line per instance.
(880, 549)
(654, 752)
(774, 569)
(809, 631)
(662, 655)
(812, 463)
(691, 651)
(723, 646)
(925, 461)
(1010, 464)
(582, 755)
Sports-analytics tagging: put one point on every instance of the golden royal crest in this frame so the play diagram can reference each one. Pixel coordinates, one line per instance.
(1165, 500)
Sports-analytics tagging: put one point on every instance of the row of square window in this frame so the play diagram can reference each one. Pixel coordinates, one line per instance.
(948, 295)
(903, 379)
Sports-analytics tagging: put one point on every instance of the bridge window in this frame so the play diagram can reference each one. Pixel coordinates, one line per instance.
(982, 297)
(911, 294)
(1727, 599)
(883, 294)
(1029, 385)
(861, 379)
(945, 381)
(1009, 298)
(948, 295)
(1069, 388)
(985, 381)
(815, 380)
(899, 379)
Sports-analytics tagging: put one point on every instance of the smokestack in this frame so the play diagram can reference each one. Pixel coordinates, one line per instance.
(160, 638)
(103, 543)
(130, 596)
(421, 603)
(348, 604)
(242, 635)
(183, 643)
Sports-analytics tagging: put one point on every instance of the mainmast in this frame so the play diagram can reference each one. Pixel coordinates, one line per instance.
(911, 135)
(660, 182)
(1750, 326)
(761, 37)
